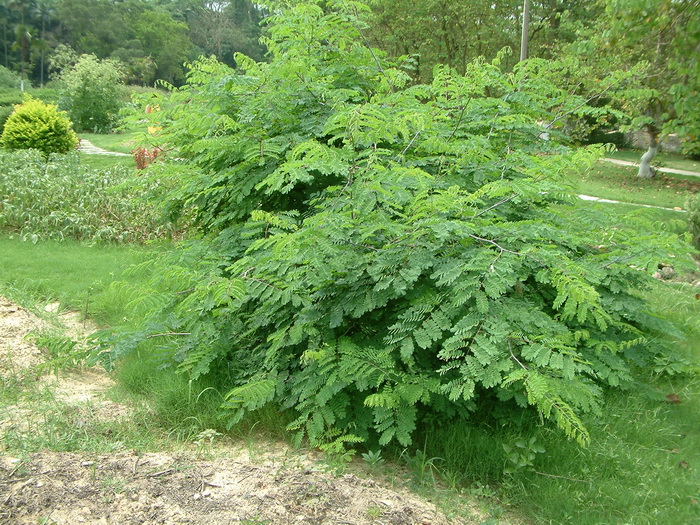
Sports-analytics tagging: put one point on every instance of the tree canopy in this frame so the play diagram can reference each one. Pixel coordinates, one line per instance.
(153, 38)
(661, 38)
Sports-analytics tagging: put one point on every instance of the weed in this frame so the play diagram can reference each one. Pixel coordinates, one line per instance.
(255, 521)
(63, 352)
(112, 484)
(373, 458)
(205, 439)
(423, 468)
(521, 455)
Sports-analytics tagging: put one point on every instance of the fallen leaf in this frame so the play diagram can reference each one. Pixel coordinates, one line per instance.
(673, 398)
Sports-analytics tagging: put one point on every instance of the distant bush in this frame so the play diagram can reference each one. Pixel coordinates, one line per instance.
(8, 79)
(92, 92)
(693, 207)
(58, 198)
(48, 95)
(10, 97)
(5, 112)
(35, 125)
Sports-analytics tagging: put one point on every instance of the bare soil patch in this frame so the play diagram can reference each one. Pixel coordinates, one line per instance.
(128, 487)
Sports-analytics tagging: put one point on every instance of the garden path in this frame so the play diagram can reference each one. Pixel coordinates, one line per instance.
(87, 147)
(663, 170)
(610, 201)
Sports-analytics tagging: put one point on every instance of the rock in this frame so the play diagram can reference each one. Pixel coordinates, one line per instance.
(667, 272)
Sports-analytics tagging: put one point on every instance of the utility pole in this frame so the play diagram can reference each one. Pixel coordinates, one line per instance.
(526, 25)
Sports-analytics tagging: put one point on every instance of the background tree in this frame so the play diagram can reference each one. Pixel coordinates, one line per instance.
(23, 43)
(151, 37)
(222, 28)
(662, 36)
(442, 31)
(456, 32)
(165, 44)
(95, 26)
(43, 11)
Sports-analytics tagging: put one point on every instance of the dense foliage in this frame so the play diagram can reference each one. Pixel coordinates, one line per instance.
(378, 253)
(92, 93)
(656, 36)
(150, 38)
(58, 198)
(455, 32)
(39, 126)
(693, 207)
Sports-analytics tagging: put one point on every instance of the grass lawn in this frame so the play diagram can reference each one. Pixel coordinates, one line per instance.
(68, 272)
(101, 162)
(119, 142)
(663, 160)
(610, 181)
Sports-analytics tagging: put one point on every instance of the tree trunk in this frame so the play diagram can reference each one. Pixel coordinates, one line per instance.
(526, 28)
(645, 169)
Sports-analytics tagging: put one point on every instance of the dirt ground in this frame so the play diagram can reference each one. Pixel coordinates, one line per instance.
(129, 487)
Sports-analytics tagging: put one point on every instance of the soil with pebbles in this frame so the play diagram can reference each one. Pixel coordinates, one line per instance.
(127, 487)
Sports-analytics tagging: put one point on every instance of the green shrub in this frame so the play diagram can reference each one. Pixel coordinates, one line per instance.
(93, 93)
(10, 97)
(693, 207)
(35, 125)
(8, 79)
(383, 254)
(45, 94)
(5, 112)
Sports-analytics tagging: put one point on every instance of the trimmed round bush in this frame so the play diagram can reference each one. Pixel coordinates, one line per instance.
(40, 126)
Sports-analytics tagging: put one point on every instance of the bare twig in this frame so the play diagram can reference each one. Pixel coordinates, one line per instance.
(161, 473)
(410, 143)
(165, 334)
(499, 203)
(262, 282)
(494, 243)
(561, 477)
(597, 95)
(510, 347)
(374, 56)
